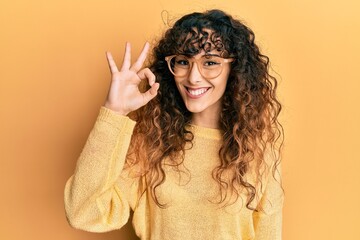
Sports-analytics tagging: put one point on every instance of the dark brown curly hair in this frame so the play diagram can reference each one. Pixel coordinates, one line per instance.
(250, 109)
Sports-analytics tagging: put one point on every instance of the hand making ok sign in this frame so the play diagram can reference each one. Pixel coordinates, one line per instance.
(124, 95)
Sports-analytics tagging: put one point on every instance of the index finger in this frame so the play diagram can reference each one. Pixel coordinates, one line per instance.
(141, 59)
(111, 62)
(127, 57)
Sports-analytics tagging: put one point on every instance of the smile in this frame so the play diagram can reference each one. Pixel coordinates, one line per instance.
(196, 93)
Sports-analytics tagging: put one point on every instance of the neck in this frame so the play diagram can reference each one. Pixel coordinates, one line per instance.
(206, 119)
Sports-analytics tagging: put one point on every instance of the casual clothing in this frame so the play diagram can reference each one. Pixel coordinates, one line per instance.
(100, 195)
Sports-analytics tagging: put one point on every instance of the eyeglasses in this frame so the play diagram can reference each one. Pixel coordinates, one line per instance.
(210, 66)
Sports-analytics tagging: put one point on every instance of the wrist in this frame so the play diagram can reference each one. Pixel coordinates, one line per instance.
(115, 110)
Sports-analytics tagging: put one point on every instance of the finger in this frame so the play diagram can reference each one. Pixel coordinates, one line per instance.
(127, 57)
(151, 93)
(155, 87)
(111, 62)
(147, 73)
(141, 59)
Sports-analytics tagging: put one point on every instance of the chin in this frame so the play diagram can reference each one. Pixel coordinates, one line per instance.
(194, 109)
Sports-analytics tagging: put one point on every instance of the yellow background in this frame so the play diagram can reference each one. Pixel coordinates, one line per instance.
(54, 78)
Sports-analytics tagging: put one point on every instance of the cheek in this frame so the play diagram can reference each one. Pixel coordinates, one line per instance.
(220, 92)
(221, 87)
(179, 86)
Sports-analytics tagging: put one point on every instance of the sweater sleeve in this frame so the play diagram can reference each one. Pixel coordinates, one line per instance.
(268, 223)
(96, 197)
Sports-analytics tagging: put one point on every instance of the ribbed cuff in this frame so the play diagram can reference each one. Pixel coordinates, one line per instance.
(121, 122)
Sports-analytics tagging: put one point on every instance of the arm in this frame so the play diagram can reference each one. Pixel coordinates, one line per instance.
(99, 195)
(94, 200)
(268, 224)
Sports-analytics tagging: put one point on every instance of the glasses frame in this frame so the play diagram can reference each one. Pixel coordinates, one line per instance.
(192, 60)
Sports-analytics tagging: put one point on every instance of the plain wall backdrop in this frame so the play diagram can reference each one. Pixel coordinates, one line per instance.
(54, 78)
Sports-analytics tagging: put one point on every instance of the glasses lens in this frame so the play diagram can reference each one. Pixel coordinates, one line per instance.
(210, 66)
(179, 65)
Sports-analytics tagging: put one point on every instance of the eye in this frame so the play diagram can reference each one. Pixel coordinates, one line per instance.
(182, 62)
(210, 63)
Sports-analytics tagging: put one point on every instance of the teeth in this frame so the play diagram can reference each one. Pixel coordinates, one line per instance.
(197, 92)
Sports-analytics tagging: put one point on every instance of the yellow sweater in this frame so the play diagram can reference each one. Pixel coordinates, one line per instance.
(100, 194)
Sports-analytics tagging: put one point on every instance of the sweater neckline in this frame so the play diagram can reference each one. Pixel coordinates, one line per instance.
(205, 132)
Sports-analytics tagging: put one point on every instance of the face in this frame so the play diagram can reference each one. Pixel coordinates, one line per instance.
(201, 95)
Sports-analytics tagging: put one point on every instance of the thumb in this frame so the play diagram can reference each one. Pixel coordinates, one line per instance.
(151, 93)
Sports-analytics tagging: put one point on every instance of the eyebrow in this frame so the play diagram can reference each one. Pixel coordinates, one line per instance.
(211, 54)
(205, 55)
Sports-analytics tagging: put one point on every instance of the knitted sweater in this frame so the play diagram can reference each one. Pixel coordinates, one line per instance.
(101, 193)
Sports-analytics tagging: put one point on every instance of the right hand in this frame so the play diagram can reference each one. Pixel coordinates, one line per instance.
(124, 95)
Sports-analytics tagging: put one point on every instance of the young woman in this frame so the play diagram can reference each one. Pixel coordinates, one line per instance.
(201, 160)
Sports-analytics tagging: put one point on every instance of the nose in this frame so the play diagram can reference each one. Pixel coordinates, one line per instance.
(194, 74)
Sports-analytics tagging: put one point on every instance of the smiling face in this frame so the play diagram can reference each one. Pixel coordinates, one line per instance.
(202, 96)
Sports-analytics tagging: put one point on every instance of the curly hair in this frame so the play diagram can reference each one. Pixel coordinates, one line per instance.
(250, 109)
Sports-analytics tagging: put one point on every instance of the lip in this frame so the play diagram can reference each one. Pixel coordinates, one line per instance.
(196, 89)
